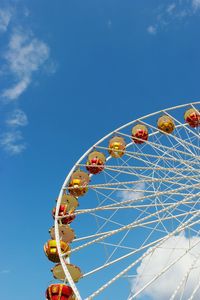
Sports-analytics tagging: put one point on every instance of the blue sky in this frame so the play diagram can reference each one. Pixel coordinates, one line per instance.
(72, 71)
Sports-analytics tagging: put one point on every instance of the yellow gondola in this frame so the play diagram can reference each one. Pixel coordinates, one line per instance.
(78, 185)
(51, 251)
(117, 146)
(166, 124)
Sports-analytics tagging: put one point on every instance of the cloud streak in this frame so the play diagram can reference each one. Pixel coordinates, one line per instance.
(25, 55)
(12, 142)
(152, 29)
(176, 11)
(5, 18)
(17, 118)
(196, 4)
(137, 192)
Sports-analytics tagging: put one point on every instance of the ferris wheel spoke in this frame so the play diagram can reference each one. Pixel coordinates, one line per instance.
(185, 277)
(173, 170)
(106, 197)
(140, 249)
(145, 211)
(141, 206)
(112, 185)
(146, 192)
(175, 191)
(169, 165)
(186, 145)
(169, 197)
(156, 166)
(186, 127)
(155, 228)
(122, 257)
(146, 224)
(132, 225)
(107, 220)
(164, 158)
(119, 246)
(115, 178)
(114, 213)
(135, 154)
(163, 149)
(151, 168)
(135, 172)
(171, 212)
(124, 271)
(195, 290)
(158, 148)
(143, 225)
(138, 207)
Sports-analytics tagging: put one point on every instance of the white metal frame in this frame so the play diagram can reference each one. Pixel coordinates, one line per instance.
(114, 205)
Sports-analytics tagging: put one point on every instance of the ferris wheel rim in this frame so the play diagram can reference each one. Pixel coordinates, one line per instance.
(63, 188)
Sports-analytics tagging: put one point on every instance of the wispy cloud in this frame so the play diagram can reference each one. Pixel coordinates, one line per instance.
(170, 8)
(17, 89)
(17, 118)
(134, 194)
(166, 283)
(176, 11)
(12, 142)
(5, 18)
(152, 29)
(25, 55)
(196, 4)
(4, 272)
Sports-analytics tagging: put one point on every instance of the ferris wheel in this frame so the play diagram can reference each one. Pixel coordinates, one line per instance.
(127, 219)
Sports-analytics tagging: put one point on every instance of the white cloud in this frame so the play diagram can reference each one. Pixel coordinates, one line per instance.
(17, 118)
(164, 287)
(173, 13)
(17, 89)
(12, 142)
(134, 194)
(25, 55)
(196, 4)
(170, 8)
(5, 17)
(152, 29)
